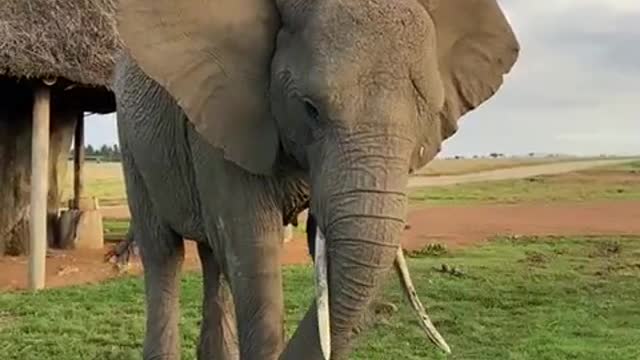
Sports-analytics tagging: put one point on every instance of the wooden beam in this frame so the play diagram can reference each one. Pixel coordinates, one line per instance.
(39, 187)
(78, 162)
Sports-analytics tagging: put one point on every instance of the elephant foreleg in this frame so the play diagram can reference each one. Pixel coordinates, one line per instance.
(253, 263)
(162, 262)
(162, 254)
(218, 331)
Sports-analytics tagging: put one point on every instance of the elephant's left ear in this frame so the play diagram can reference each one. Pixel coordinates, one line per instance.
(476, 48)
(214, 58)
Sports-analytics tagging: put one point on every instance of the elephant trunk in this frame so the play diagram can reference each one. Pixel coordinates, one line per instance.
(362, 220)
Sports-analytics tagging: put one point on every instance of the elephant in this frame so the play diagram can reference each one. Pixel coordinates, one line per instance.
(236, 115)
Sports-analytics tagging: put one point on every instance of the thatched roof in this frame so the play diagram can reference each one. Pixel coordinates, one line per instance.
(71, 39)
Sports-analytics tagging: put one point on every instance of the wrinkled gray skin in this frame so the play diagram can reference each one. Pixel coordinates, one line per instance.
(359, 96)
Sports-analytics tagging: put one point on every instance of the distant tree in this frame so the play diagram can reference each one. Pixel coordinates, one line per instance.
(105, 151)
(115, 154)
(494, 155)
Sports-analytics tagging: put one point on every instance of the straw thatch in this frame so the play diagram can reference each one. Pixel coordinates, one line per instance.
(71, 39)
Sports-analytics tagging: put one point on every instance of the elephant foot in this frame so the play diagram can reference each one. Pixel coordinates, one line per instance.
(120, 254)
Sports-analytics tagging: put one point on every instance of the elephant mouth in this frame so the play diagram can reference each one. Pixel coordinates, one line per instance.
(318, 249)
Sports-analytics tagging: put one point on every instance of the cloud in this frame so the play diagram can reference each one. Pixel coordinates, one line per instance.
(577, 74)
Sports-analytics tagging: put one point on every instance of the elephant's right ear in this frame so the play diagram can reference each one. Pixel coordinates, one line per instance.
(214, 58)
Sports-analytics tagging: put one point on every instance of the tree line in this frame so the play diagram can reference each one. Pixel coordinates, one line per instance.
(102, 153)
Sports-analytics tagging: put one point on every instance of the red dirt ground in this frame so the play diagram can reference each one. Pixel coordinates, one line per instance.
(454, 226)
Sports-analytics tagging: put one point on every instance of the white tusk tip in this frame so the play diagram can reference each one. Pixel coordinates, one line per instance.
(425, 322)
(322, 294)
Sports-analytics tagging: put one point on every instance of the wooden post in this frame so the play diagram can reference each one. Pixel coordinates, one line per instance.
(78, 162)
(39, 187)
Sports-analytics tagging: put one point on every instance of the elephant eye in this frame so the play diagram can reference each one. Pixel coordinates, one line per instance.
(311, 110)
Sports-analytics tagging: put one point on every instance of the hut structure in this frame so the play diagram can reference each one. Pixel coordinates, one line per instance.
(56, 63)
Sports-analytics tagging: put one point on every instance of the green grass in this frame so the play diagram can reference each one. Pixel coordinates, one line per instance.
(529, 298)
(115, 229)
(613, 183)
(102, 180)
(633, 167)
(109, 192)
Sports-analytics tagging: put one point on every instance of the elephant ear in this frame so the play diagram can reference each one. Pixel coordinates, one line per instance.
(476, 48)
(214, 58)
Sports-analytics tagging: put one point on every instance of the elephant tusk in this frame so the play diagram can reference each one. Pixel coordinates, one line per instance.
(322, 294)
(410, 291)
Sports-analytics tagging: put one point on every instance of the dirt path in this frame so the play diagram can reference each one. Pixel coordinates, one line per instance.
(519, 172)
(454, 226)
(122, 212)
(459, 226)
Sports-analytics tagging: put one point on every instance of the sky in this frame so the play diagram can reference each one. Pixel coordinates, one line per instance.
(571, 92)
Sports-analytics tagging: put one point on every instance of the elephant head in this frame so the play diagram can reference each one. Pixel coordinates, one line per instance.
(359, 93)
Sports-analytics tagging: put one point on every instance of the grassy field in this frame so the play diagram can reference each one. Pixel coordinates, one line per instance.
(527, 298)
(105, 180)
(102, 180)
(620, 182)
(115, 229)
(632, 166)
